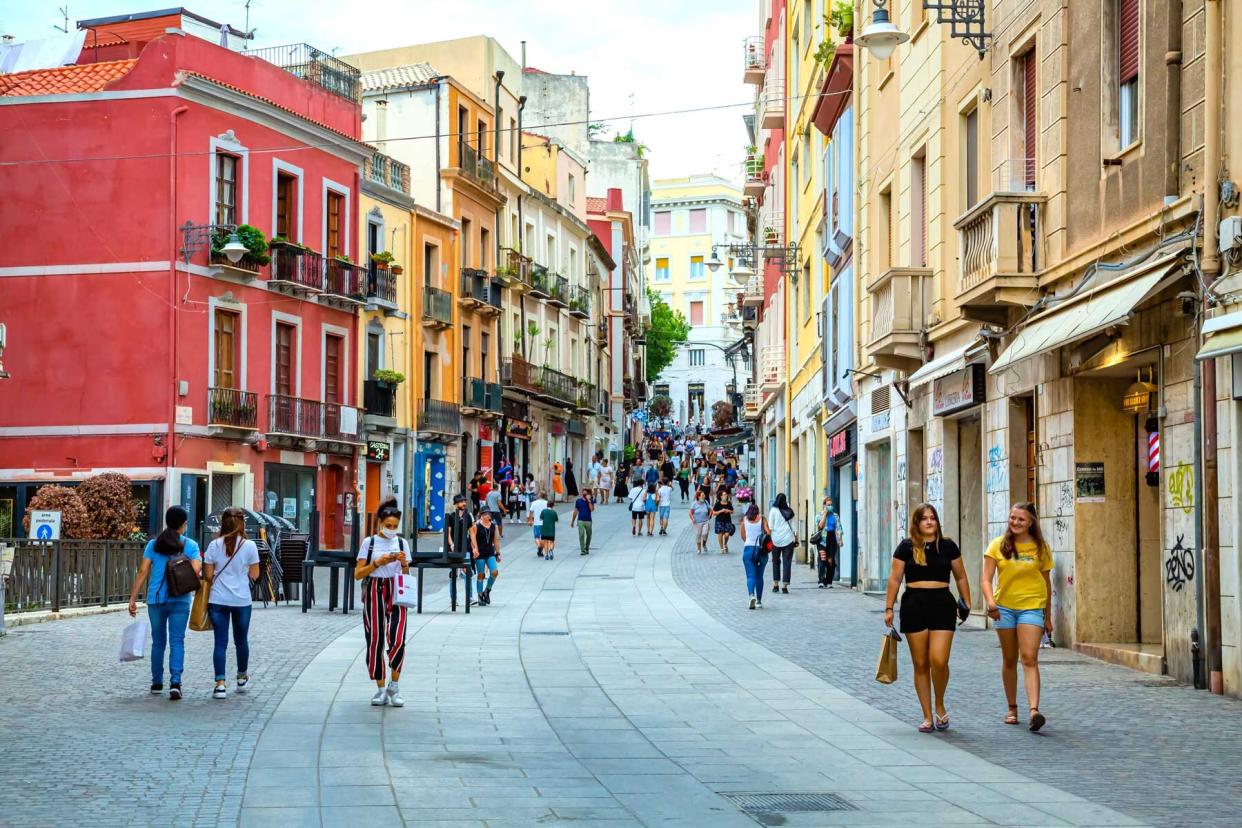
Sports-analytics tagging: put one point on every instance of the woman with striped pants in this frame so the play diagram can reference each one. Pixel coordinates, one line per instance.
(380, 559)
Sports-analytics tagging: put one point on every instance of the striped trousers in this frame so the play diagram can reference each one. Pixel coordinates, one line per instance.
(383, 623)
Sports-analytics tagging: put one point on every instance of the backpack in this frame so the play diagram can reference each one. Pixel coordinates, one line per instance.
(371, 551)
(179, 575)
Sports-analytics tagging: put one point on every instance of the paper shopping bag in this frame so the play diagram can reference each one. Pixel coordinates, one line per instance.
(405, 591)
(134, 640)
(886, 669)
(200, 619)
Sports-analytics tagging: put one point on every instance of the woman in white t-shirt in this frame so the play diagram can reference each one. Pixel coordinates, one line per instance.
(230, 564)
(781, 521)
(381, 558)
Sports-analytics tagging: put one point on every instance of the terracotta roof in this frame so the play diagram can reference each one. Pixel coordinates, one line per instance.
(64, 80)
(597, 205)
(398, 77)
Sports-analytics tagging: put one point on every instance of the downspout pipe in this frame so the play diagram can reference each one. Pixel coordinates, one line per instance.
(173, 311)
(521, 223)
(500, 76)
(1213, 104)
(439, 204)
(1173, 101)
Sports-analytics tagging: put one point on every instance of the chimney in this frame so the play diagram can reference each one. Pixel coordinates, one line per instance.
(614, 199)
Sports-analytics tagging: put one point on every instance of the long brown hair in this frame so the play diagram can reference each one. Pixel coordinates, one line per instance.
(916, 534)
(232, 527)
(1009, 543)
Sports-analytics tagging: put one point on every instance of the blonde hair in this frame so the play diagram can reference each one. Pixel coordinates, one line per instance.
(916, 534)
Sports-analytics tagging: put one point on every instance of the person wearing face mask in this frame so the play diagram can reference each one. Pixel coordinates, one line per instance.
(829, 545)
(380, 559)
(457, 542)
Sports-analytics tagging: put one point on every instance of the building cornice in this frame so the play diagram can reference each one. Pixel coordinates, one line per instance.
(396, 198)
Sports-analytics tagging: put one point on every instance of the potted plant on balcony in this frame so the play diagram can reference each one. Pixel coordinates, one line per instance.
(388, 379)
(255, 242)
(382, 258)
(769, 235)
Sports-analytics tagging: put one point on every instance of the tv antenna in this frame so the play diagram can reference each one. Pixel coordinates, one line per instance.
(64, 12)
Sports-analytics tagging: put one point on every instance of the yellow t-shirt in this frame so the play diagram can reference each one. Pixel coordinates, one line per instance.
(1021, 577)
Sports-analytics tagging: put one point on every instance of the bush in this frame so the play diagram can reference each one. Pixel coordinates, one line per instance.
(108, 500)
(73, 522)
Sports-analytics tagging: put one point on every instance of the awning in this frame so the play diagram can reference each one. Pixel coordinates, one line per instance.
(1224, 336)
(944, 365)
(1099, 308)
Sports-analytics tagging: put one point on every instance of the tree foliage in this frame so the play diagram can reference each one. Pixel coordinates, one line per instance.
(108, 500)
(669, 329)
(722, 414)
(73, 521)
(661, 405)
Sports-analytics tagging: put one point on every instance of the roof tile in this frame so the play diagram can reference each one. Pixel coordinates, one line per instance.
(397, 77)
(596, 205)
(64, 80)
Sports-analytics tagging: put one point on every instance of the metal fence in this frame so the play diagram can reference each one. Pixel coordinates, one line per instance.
(53, 575)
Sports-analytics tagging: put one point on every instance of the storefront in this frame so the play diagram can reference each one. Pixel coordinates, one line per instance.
(427, 491)
(289, 492)
(842, 459)
(957, 398)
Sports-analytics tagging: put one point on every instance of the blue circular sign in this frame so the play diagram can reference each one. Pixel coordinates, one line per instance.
(44, 532)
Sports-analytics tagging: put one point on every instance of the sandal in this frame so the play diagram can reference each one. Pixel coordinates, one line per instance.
(1012, 718)
(1037, 720)
(942, 722)
(926, 727)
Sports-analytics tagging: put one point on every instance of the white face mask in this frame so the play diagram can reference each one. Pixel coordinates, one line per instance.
(388, 533)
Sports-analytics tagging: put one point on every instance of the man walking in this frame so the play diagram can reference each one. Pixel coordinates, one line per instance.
(533, 517)
(664, 501)
(457, 539)
(583, 506)
(485, 547)
(493, 503)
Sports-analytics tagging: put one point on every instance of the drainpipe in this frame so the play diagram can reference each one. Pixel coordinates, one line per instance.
(173, 321)
(1211, 270)
(439, 85)
(1173, 102)
(521, 223)
(500, 76)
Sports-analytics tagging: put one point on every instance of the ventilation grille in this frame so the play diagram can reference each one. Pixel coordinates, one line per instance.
(760, 803)
(879, 399)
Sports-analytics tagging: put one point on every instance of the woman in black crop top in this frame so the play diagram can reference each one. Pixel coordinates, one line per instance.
(926, 560)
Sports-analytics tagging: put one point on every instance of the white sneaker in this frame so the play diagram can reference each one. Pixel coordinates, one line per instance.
(380, 698)
(752, 602)
(242, 683)
(220, 692)
(759, 604)
(394, 696)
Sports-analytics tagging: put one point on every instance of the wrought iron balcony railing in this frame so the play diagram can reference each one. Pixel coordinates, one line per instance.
(475, 165)
(379, 398)
(297, 266)
(345, 280)
(579, 301)
(232, 408)
(381, 284)
(437, 306)
(318, 67)
(439, 416)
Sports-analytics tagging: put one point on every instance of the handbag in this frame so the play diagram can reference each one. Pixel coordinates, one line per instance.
(200, 618)
(179, 575)
(405, 591)
(134, 640)
(886, 667)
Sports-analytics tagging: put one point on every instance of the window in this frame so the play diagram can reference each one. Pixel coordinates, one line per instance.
(918, 210)
(806, 153)
(513, 140)
(480, 129)
(698, 356)
(1025, 101)
(554, 348)
(806, 291)
(465, 350)
(431, 269)
(832, 334)
(465, 242)
(885, 226)
(696, 396)
(970, 126)
(430, 358)
(731, 221)
(1128, 72)
(661, 390)
(286, 206)
(696, 313)
(485, 345)
(485, 244)
(698, 221)
(663, 223)
(662, 269)
(696, 267)
(374, 350)
(226, 189)
(336, 224)
(333, 385)
(286, 358)
(573, 190)
(500, 124)
(228, 349)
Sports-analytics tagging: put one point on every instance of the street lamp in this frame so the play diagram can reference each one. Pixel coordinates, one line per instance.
(881, 37)
(195, 237)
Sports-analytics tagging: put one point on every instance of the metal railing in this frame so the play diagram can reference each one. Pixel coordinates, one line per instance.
(344, 279)
(588, 397)
(518, 373)
(476, 285)
(53, 575)
(541, 280)
(232, 407)
(337, 420)
(579, 300)
(381, 283)
(557, 386)
(297, 265)
(437, 305)
(513, 266)
(387, 171)
(603, 405)
(772, 102)
(379, 398)
(559, 293)
(439, 416)
(475, 394)
(294, 415)
(321, 68)
(754, 59)
(495, 401)
(475, 165)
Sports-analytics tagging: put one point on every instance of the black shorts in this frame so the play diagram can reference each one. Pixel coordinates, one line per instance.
(928, 609)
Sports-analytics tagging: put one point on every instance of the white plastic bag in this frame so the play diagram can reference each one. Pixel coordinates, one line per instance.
(134, 640)
(405, 591)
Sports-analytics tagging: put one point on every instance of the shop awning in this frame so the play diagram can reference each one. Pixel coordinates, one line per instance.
(942, 366)
(1224, 336)
(1095, 310)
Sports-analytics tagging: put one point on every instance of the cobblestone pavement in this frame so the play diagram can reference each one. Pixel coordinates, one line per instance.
(1142, 745)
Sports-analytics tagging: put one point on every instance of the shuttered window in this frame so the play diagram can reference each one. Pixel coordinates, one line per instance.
(918, 210)
(336, 224)
(1128, 40)
(1030, 96)
(332, 369)
(227, 341)
(972, 158)
(879, 400)
(285, 358)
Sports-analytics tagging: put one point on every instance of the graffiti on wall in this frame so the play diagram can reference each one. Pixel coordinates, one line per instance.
(1060, 534)
(1181, 486)
(935, 461)
(901, 471)
(1065, 499)
(1179, 569)
(935, 488)
(998, 471)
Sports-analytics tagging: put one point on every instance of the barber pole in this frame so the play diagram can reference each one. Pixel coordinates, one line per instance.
(1153, 452)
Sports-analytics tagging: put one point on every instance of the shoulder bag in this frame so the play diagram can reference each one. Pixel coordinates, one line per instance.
(200, 619)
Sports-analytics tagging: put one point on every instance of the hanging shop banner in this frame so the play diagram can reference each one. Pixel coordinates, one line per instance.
(378, 450)
(556, 428)
(517, 429)
(485, 432)
(840, 444)
(485, 456)
(960, 390)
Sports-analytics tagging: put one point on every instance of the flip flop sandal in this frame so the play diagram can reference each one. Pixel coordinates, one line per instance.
(926, 727)
(1037, 720)
(1012, 718)
(942, 722)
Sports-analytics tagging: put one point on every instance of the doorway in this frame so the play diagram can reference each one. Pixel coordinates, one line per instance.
(880, 473)
(965, 519)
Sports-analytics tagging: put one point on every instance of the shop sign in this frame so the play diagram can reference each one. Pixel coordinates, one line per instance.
(517, 429)
(839, 444)
(289, 508)
(881, 421)
(960, 390)
(556, 428)
(1089, 482)
(485, 432)
(378, 450)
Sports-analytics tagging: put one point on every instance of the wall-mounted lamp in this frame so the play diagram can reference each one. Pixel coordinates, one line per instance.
(881, 37)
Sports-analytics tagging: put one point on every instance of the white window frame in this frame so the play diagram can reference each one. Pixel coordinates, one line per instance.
(296, 322)
(215, 303)
(326, 330)
(279, 167)
(346, 220)
(229, 145)
(701, 356)
(690, 267)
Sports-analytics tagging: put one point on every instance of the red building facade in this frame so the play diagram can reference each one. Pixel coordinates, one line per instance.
(131, 346)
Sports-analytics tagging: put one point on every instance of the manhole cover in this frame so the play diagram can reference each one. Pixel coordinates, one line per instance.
(759, 803)
(543, 632)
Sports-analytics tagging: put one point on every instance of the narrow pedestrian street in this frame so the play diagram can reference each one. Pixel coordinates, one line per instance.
(628, 687)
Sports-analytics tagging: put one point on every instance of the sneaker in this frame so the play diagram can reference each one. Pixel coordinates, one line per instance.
(242, 683)
(540, 553)
(548, 556)
(821, 586)
(785, 590)
(759, 605)
(394, 696)
(583, 552)
(156, 689)
(220, 692)
(752, 603)
(380, 698)
(174, 692)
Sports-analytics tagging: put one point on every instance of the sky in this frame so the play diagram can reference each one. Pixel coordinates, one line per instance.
(641, 56)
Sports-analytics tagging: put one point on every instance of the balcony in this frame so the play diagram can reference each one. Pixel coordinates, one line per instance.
(756, 178)
(379, 398)
(482, 399)
(558, 293)
(771, 368)
(1001, 249)
(555, 387)
(296, 268)
(381, 286)
(495, 401)
(479, 292)
(601, 333)
(437, 418)
(732, 315)
(754, 59)
(579, 299)
(340, 423)
(387, 171)
(772, 102)
(297, 417)
(752, 296)
(343, 282)
(899, 299)
(540, 281)
(514, 269)
(750, 402)
(320, 68)
(437, 308)
(587, 398)
(232, 408)
(603, 406)
(473, 164)
(518, 374)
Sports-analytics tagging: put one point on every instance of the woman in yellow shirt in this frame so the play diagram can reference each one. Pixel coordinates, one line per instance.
(1021, 606)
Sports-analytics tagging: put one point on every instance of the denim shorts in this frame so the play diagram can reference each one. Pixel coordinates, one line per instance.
(1010, 618)
(538, 529)
(482, 565)
(665, 511)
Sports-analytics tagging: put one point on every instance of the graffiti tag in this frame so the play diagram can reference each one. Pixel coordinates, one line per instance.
(1180, 567)
(1181, 487)
(1060, 533)
(901, 470)
(1065, 498)
(935, 461)
(935, 488)
(998, 471)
